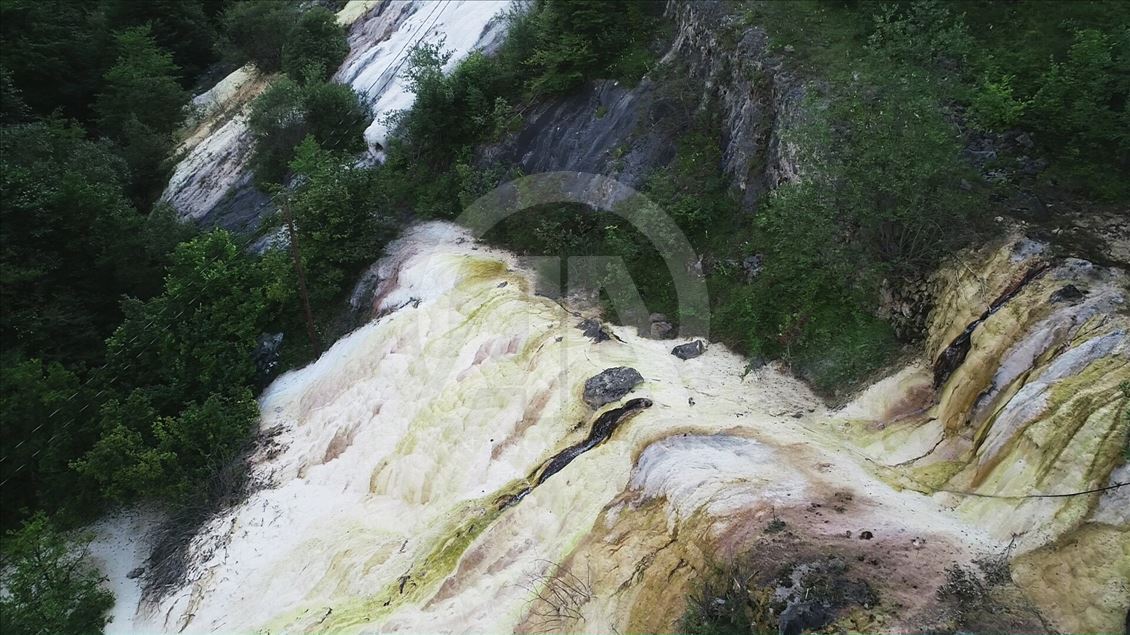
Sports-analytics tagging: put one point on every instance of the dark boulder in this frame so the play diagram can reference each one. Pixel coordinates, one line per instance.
(1069, 293)
(610, 385)
(689, 350)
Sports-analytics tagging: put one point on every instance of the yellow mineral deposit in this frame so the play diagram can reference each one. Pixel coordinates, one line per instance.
(392, 451)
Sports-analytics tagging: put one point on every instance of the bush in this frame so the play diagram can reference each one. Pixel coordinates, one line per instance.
(42, 406)
(579, 40)
(141, 455)
(180, 368)
(994, 105)
(922, 32)
(1081, 110)
(256, 31)
(49, 586)
(316, 46)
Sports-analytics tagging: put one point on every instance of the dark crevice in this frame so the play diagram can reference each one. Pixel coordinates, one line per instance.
(602, 429)
(951, 358)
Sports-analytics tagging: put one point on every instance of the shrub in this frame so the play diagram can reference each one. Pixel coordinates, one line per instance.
(994, 106)
(337, 211)
(70, 242)
(49, 586)
(923, 31)
(315, 47)
(586, 39)
(1081, 109)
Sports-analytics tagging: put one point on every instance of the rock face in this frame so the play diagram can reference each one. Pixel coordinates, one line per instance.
(610, 385)
(212, 184)
(758, 98)
(629, 132)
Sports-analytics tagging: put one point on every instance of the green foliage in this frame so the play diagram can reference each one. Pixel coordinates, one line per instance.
(288, 111)
(994, 105)
(922, 32)
(256, 31)
(316, 45)
(43, 409)
(692, 188)
(49, 586)
(1081, 107)
(181, 365)
(13, 109)
(199, 334)
(141, 455)
(186, 28)
(883, 202)
(55, 51)
(70, 243)
(580, 40)
(139, 107)
(336, 212)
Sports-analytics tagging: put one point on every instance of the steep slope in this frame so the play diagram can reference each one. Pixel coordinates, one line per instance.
(400, 492)
(211, 183)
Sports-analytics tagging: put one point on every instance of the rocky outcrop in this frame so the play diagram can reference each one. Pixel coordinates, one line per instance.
(628, 132)
(758, 98)
(212, 182)
(1019, 418)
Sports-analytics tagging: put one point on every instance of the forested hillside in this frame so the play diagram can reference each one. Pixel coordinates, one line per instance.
(134, 344)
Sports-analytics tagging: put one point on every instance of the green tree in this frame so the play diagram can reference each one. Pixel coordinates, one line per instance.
(199, 334)
(339, 224)
(70, 243)
(287, 112)
(183, 27)
(49, 585)
(55, 51)
(1081, 108)
(316, 46)
(46, 412)
(140, 105)
(180, 367)
(144, 456)
(586, 39)
(256, 31)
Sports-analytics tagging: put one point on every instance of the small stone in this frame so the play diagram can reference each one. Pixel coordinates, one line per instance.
(661, 330)
(689, 350)
(135, 573)
(866, 535)
(999, 219)
(594, 330)
(657, 317)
